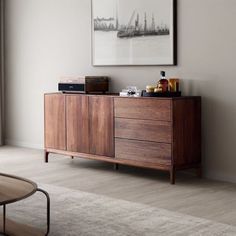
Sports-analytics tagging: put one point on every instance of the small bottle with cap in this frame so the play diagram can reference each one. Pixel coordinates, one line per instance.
(163, 83)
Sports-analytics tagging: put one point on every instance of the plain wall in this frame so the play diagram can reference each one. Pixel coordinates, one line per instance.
(47, 39)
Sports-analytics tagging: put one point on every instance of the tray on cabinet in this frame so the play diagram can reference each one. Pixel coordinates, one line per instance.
(166, 94)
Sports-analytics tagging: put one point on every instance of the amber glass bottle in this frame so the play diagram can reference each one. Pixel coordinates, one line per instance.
(163, 83)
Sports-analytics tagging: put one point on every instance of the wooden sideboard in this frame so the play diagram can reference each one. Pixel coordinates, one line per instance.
(156, 133)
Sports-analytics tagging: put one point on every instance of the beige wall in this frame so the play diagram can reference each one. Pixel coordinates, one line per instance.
(49, 38)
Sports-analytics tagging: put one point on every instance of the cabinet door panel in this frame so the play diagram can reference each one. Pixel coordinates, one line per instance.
(77, 123)
(55, 123)
(101, 126)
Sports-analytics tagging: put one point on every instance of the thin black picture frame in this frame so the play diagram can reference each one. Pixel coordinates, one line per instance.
(175, 42)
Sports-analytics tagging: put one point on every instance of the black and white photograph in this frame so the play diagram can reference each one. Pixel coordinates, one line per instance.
(134, 32)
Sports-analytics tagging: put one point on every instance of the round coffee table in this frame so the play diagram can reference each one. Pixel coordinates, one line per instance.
(14, 189)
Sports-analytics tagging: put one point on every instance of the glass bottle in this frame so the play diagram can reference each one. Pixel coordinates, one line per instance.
(163, 82)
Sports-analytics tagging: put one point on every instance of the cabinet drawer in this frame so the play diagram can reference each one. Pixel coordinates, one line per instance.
(149, 152)
(148, 130)
(145, 109)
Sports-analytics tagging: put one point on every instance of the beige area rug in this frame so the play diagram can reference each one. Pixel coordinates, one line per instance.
(78, 213)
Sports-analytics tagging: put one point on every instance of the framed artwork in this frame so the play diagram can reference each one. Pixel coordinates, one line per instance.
(134, 32)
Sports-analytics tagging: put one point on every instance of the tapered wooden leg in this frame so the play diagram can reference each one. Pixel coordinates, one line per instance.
(199, 172)
(46, 156)
(116, 166)
(172, 175)
(72, 157)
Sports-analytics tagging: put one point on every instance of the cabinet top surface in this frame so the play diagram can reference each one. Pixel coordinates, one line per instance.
(116, 95)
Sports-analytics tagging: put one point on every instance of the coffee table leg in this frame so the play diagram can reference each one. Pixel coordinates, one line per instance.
(48, 208)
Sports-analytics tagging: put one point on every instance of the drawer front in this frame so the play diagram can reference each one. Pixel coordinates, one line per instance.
(145, 109)
(148, 130)
(142, 151)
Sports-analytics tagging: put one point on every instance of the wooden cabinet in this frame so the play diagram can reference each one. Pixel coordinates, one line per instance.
(157, 133)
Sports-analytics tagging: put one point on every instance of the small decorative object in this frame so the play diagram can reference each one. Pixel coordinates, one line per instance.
(128, 32)
(150, 88)
(131, 91)
(158, 90)
(174, 85)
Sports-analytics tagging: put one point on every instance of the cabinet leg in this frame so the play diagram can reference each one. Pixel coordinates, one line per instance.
(172, 175)
(199, 172)
(46, 156)
(116, 166)
(72, 157)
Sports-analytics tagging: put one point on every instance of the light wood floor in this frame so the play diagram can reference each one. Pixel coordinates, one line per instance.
(197, 197)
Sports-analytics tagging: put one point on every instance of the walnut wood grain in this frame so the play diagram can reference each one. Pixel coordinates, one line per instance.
(101, 125)
(145, 109)
(186, 132)
(138, 163)
(158, 133)
(148, 130)
(77, 119)
(14, 188)
(55, 121)
(144, 151)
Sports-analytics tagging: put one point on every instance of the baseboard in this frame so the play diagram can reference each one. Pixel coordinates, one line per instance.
(220, 177)
(23, 144)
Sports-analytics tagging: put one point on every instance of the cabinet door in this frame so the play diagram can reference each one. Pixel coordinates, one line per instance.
(101, 126)
(77, 123)
(55, 122)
